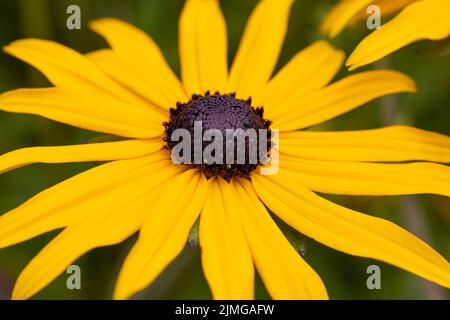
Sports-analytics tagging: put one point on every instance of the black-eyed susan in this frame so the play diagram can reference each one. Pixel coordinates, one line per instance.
(419, 20)
(128, 91)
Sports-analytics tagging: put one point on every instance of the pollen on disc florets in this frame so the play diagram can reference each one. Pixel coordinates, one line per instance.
(220, 112)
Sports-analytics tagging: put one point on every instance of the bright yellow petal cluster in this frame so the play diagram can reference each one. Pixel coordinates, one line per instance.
(127, 91)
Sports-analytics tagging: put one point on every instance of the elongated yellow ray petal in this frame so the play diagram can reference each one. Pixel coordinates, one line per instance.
(358, 178)
(111, 224)
(95, 112)
(285, 274)
(142, 80)
(311, 69)
(79, 153)
(350, 231)
(341, 97)
(350, 12)
(81, 195)
(203, 47)
(65, 67)
(420, 20)
(128, 39)
(388, 6)
(341, 15)
(226, 258)
(394, 143)
(164, 233)
(260, 47)
(136, 46)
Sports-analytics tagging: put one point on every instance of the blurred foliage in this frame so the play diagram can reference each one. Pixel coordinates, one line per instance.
(345, 276)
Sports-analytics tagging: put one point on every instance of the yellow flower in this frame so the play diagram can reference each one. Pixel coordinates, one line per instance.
(128, 90)
(419, 20)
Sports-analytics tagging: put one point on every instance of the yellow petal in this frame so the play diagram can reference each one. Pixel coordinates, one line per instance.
(203, 47)
(226, 259)
(90, 111)
(135, 46)
(311, 69)
(164, 233)
(394, 143)
(387, 7)
(65, 67)
(351, 232)
(357, 178)
(79, 153)
(285, 274)
(420, 20)
(341, 97)
(108, 226)
(341, 15)
(81, 195)
(390, 6)
(141, 79)
(260, 47)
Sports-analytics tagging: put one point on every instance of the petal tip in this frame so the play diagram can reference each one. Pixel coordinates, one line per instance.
(18, 293)
(351, 67)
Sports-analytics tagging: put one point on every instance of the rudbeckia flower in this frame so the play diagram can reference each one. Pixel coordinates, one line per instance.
(130, 91)
(419, 20)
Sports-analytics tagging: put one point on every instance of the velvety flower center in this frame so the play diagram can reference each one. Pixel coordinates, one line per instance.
(222, 113)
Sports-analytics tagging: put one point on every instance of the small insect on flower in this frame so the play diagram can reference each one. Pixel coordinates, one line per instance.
(130, 91)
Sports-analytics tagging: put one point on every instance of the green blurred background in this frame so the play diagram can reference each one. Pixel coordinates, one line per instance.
(345, 276)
